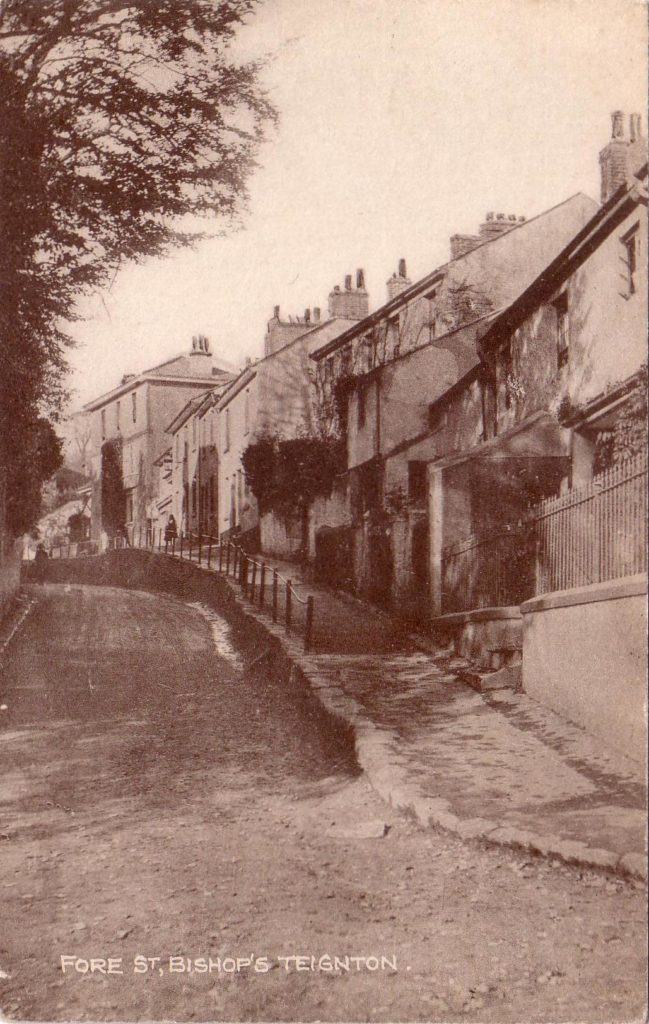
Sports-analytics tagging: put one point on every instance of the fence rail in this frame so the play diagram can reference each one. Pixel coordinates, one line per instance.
(588, 535)
(260, 582)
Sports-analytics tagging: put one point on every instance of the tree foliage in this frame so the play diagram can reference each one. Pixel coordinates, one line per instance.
(38, 458)
(122, 122)
(285, 476)
(628, 436)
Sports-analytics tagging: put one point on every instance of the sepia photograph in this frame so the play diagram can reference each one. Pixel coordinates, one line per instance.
(323, 511)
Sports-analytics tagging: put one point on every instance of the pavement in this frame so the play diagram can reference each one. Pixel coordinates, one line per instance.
(499, 767)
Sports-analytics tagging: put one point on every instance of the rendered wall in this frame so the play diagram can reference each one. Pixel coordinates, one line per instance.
(584, 654)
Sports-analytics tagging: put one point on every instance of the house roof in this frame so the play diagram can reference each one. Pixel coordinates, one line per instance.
(531, 227)
(576, 252)
(247, 374)
(161, 374)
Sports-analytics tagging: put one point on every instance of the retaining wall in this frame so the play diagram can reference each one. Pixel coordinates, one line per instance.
(584, 654)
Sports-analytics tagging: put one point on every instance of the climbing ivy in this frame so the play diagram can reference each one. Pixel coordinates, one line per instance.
(113, 496)
(285, 475)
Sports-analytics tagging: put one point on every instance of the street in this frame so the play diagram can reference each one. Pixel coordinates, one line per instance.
(161, 805)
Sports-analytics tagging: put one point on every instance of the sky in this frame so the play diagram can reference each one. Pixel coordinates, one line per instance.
(402, 122)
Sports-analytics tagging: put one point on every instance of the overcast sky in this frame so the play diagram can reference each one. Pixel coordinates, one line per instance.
(402, 122)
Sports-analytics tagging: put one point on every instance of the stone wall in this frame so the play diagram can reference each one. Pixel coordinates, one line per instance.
(584, 654)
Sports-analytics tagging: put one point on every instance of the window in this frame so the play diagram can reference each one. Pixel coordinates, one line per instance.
(361, 397)
(129, 506)
(194, 498)
(563, 329)
(134, 405)
(103, 424)
(431, 314)
(436, 417)
(417, 481)
(488, 396)
(392, 329)
(226, 443)
(507, 364)
(117, 417)
(329, 368)
(630, 245)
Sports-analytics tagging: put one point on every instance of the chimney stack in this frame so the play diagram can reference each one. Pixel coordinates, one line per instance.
(622, 156)
(398, 282)
(352, 304)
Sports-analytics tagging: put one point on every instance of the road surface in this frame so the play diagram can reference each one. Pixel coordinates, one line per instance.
(160, 806)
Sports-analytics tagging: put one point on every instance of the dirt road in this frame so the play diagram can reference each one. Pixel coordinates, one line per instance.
(158, 802)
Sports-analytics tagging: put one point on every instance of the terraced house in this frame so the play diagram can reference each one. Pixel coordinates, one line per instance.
(379, 380)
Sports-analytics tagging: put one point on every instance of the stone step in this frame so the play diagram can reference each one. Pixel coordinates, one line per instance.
(508, 678)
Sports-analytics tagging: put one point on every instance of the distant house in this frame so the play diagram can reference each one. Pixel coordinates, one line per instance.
(193, 464)
(133, 418)
(276, 396)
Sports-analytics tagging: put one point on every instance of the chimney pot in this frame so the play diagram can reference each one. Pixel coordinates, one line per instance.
(307, 316)
(402, 267)
(316, 313)
(635, 127)
(360, 278)
(617, 124)
(276, 312)
(348, 282)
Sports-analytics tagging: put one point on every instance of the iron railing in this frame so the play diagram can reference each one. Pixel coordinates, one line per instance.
(590, 534)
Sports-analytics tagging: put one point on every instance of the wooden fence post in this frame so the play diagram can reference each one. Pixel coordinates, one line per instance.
(220, 557)
(209, 552)
(200, 544)
(309, 623)
(253, 580)
(181, 544)
(227, 559)
(262, 584)
(288, 605)
(243, 558)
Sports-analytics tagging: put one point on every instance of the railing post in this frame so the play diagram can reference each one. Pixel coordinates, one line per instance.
(243, 559)
(253, 581)
(288, 605)
(209, 552)
(309, 623)
(220, 557)
(200, 544)
(189, 543)
(227, 559)
(262, 584)
(181, 544)
(275, 594)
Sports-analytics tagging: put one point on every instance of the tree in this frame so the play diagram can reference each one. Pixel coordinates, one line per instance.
(125, 124)
(37, 459)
